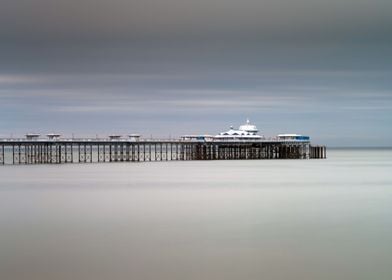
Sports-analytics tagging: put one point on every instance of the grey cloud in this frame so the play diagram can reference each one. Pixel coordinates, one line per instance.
(317, 67)
(120, 19)
(108, 94)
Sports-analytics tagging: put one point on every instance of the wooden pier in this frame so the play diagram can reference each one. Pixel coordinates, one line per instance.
(57, 151)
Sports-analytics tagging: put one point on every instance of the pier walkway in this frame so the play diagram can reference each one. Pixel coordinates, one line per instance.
(56, 151)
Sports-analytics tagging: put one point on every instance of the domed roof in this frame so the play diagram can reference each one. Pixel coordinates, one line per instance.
(248, 127)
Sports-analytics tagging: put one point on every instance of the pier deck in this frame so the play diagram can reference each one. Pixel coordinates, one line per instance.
(56, 151)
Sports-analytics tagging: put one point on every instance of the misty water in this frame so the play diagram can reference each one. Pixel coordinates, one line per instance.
(254, 219)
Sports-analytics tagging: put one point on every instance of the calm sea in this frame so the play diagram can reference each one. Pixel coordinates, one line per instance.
(257, 219)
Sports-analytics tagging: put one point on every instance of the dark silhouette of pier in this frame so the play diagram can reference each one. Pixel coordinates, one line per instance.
(58, 150)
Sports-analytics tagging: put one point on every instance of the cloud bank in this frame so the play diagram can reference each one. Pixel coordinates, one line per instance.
(174, 67)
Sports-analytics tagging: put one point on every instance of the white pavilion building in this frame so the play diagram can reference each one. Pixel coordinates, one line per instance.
(246, 131)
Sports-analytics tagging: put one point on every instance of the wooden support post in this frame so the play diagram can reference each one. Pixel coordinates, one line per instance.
(27, 155)
(2, 154)
(13, 154)
(41, 153)
(110, 153)
(121, 152)
(65, 153)
(182, 151)
(58, 153)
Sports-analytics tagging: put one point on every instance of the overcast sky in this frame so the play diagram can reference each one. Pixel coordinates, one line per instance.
(172, 67)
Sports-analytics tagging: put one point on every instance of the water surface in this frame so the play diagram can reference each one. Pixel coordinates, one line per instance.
(255, 219)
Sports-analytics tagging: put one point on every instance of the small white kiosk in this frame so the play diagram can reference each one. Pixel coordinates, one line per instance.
(114, 137)
(134, 137)
(53, 136)
(32, 136)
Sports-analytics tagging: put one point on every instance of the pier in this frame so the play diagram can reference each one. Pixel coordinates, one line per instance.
(55, 150)
(234, 144)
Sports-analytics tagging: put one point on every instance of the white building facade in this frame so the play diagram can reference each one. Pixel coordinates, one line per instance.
(246, 131)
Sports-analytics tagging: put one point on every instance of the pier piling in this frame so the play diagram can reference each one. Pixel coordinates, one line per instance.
(25, 151)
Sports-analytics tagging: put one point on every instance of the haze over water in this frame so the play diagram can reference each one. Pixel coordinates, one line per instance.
(255, 219)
